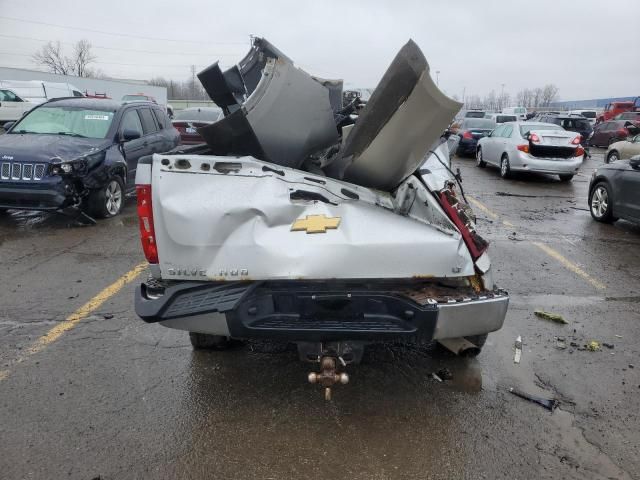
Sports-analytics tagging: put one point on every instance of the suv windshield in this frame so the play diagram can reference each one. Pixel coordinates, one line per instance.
(479, 123)
(77, 122)
(526, 128)
(588, 114)
(199, 114)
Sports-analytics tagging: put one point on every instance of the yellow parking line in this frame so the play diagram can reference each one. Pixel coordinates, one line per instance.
(85, 310)
(569, 265)
(482, 207)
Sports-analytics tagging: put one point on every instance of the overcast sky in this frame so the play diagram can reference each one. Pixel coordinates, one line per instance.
(588, 48)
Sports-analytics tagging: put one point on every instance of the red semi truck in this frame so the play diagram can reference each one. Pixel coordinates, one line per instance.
(615, 108)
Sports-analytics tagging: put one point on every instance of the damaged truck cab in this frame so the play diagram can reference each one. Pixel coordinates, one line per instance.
(333, 228)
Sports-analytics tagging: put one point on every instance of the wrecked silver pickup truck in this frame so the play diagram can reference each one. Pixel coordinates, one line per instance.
(328, 225)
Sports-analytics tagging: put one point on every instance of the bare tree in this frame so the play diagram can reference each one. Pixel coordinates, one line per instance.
(53, 58)
(82, 57)
(549, 94)
(537, 97)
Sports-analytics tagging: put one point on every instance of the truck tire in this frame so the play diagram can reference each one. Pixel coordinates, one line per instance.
(108, 200)
(204, 341)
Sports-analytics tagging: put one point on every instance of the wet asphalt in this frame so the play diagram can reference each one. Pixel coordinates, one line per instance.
(114, 398)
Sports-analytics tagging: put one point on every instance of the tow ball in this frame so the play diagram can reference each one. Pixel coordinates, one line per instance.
(328, 375)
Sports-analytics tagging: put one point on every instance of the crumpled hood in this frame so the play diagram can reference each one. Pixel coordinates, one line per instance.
(43, 148)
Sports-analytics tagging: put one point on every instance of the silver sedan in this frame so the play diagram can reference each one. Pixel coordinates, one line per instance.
(532, 147)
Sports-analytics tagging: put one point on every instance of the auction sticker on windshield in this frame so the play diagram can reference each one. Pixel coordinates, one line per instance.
(96, 117)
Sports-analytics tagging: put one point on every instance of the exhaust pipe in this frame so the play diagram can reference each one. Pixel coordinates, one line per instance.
(460, 346)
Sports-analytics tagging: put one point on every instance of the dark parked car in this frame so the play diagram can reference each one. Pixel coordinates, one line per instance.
(188, 121)
(79, 152)
(606, 133)
(470, 131)
(614, 191)
(571, 123)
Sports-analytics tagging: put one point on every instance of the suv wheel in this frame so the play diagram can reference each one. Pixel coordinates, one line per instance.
(479, 161)
(612, 157)
(600, 203)
(204, 341)
(505, 168)
(108, 200)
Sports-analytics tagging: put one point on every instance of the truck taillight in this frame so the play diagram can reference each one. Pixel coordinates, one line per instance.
(577, 140)
(145, 216)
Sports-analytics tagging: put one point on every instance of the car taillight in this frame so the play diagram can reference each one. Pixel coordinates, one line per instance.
(577, 140)
(533, 138)
(467, 135)
(145, 216)
(623, 132)
(579, 151)
(461, 216)
(523, 148)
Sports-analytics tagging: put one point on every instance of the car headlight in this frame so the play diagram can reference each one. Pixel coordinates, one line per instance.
(78, 166)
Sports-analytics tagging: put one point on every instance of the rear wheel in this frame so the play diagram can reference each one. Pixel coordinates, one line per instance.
(600, 203)
(612, 157)
(565, 178)
(204, 341)
(505, 167)
(479, 161)
(108, 200)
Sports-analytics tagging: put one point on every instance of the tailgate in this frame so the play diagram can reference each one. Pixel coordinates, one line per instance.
(229, 218)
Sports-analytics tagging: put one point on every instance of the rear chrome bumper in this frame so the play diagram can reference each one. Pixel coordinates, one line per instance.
(308, 311)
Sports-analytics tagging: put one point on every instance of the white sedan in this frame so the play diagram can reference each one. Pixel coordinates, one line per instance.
(532, 147)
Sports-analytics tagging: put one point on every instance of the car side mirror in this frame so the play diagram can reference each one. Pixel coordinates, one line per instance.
(8, 125)
(635, 162)
(129, 134)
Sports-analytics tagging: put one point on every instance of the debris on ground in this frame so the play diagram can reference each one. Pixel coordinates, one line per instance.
(548, 403)
(445, 374)
(608, 345)
(514, 237)
(561, 343)
(518, 347)
(554, 317)
(594, 346)
(436, 377)
(107, 316)
(631, 365)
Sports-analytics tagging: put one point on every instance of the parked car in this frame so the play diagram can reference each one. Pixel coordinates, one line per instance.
(470, 131)
(141, 97)
(188, 121)
(591, 115)
(520, 112)
(531, 147)
(501, 117)
(12, 106)
(623, 150)
(474, 114)
(79, 152)
(613, 191)
(365, 247)
(571, 123)
(613, 109)
(606, 133)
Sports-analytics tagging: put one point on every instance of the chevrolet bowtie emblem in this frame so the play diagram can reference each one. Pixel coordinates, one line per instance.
(315, 224)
